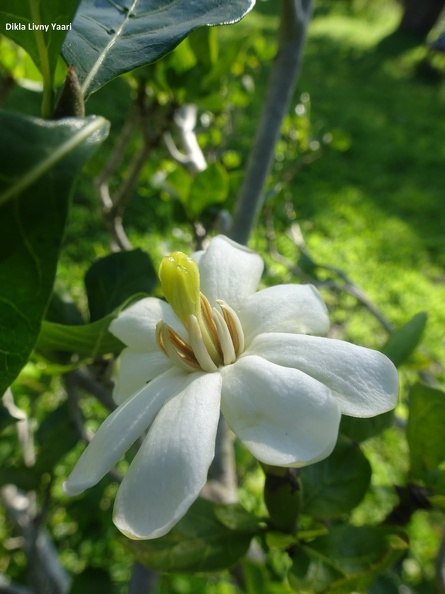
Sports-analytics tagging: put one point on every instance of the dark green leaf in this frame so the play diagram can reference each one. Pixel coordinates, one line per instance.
(282, 496)
(63, 310)
(425, 433)
(200, 541)
(88, 341)
(347, 559)
(21, 476)
(92, 580)
(110, 38)
(403, 341)
(6, 418)
(56, 436)
(210, 186)
(43, 46)
(112, 280)
(338, 483)
(362, 429)
(36, 176)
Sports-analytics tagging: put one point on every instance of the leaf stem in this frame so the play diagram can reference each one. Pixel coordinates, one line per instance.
(295, 16)
(45, 68)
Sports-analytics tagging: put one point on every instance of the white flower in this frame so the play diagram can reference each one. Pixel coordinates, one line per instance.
(256, 356)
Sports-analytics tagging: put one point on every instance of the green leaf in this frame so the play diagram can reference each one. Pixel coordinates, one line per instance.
(110, 38)
(209, 187)
(338, 483)
(89, 341)
(21, 476)
(282, 496)
(63, 310)
(210, 537)
(362, 429)
(36, 175)
(425, 434)
(42, 44)
(112, 280)
(403, 341)
(346, 560)
(56, 436)
(91, 581)
(6, 418)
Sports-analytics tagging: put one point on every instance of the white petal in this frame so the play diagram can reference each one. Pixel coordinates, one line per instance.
(229, 271)
(136, 325)
(135, 369)
(283, 416)
(171, 467)
(121, 429)
(364, 381)
(298, 309)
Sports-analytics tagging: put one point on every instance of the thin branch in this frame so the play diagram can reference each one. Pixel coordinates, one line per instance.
(347, 286)
(295, 16)
(46, 573)
(113, 206)
(143, 580)
(185, 118)
(72, 382)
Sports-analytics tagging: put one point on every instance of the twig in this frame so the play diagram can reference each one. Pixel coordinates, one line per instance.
(8, 587)
(192, 158)
(113, 206)
(85, 380)
(24, 428)
(143, 580)
(46, 573)
(73, 381)
(295, 16)
(347, 286)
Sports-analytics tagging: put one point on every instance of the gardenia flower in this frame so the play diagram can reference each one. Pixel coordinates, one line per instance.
(219, 345)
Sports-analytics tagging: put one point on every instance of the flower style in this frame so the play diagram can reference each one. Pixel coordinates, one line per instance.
(218, 345)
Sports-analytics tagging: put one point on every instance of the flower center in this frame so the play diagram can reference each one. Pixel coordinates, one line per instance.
(215, 335)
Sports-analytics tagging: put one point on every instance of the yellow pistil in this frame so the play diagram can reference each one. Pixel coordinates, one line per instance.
(179, 276)
(215, 334)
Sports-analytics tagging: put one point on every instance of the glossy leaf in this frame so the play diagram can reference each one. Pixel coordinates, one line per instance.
(282, 496)
(91, 581)
(346, 560)
(425, 434)
(210, 537)
(209, 187)
(338, 483)
(110, 38)
(403, 341)
(89, 340)
(112, 280)
(56, 436)
(6, 418)
(36, 176)
(361, 429)
(42, 45)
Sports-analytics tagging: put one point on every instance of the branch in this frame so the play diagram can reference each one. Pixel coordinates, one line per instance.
(185, 118)
(295, 16)
(347, 286)
(46, 574)
(113, 206)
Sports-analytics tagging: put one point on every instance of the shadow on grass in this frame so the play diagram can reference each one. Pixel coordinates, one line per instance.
(396, 158)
